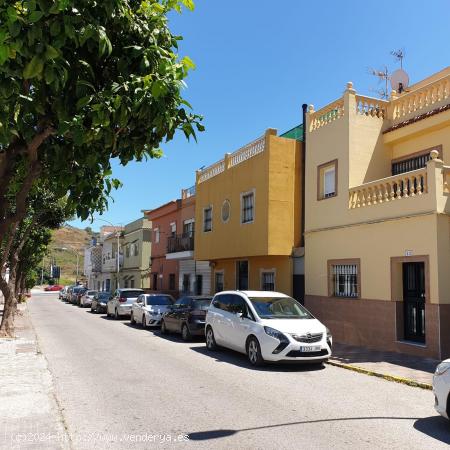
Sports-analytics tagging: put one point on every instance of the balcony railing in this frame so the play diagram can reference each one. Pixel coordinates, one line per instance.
(398, 187)
(180, 243)
(233, 159)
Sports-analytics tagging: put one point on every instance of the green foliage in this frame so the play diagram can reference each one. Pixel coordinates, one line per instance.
(106, 79)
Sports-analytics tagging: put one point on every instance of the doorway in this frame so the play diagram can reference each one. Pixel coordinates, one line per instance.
(242, 275)
(414, 301)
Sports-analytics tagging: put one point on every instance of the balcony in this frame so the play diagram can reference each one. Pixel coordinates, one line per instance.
(418, 191)
(180, 246)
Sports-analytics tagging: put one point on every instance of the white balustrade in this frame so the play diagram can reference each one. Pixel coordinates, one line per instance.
(371, 107)
(247, 152)
(397, 187)
(326, 115)
(212, 171)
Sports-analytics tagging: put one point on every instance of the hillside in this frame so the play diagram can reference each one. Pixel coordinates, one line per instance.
(74, 240)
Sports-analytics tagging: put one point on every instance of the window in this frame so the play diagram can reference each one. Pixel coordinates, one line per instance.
(126, 284)
(268, 281)
(207, 219)
(247, 207)
(226, 211)
(136, 249)
(131, 249)
(156, 235)
(219, 281)
(344, 276)
(173, 229)
(327, 180)
(198, 284)
(132, 283)
(127, 251)
(171, 281)
(188, 227)
(222, 301)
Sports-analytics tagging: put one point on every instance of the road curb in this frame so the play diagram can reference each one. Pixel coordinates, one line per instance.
(395, 379)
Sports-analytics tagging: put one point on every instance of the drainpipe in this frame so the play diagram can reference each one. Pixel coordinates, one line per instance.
(302, 240)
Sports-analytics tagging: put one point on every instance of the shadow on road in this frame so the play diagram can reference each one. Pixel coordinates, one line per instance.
(238, 359)
(217, 434)
(436, 427)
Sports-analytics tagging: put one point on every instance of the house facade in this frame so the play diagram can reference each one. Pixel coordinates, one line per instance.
(194, 277)
(164, 272)
(248, 217)
(112, 260)
(377, 232)
(93, 266)
(136, 251)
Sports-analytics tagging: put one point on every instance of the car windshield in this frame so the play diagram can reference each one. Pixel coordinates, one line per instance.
(158, 300)
(91, 292)
(202, 303)
(279, 308)
(104, 296)
(130, 294)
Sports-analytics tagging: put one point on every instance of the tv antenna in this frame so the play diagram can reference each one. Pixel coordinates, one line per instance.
(399, 79)
(383, 76)
(399, 55)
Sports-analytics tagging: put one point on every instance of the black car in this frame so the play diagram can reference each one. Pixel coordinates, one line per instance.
(76, 294)
(99, 302)
(186, 316)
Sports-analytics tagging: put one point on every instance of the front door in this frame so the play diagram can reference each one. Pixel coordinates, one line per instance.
(414, 301)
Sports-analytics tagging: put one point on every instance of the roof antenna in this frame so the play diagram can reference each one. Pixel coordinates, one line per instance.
(399, 78)
(382, 75)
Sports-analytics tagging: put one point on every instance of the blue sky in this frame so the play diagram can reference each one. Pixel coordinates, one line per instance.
(259, 60)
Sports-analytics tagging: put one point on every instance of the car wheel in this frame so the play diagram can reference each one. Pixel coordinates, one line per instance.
(132, 321)
(163, 327)
(144, 322)
(210, 340)
(116, 314)
(185, 333)
(254, 352)
(92, 310)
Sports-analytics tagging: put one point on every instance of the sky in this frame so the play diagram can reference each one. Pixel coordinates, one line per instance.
(258, 61)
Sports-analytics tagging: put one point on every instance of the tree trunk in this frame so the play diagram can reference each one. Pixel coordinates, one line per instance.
(10, 307)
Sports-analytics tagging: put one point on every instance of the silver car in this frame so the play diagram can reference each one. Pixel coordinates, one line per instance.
(86, 298)
(148, 309)
(120, 304)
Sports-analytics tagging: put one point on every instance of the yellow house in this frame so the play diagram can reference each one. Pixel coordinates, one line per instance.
(377, 231)
(248, 216)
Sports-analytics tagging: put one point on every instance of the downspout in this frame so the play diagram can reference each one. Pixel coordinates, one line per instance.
(302, 240)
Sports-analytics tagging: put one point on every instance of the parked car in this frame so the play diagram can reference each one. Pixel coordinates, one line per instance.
(99, 302)
(53, 288)
(86, 298)
(75, 293)
(441, 388)
(120, 304)
(66, 296)
(148, 309)
(186, 316)
(267, 326)
(62, 292)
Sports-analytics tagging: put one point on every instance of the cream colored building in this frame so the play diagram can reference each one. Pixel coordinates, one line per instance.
(136, 251)
(377, 231)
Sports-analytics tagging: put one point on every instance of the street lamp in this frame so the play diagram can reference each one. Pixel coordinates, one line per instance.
(76, 253)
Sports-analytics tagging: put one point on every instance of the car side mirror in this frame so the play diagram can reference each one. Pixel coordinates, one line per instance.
(241, 315)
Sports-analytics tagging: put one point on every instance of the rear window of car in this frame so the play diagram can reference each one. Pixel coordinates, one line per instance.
(159, 300)
(130, 294)
(104, 295)
(202, 303)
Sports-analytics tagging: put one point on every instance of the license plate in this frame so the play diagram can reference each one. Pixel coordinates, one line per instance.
(315, 348)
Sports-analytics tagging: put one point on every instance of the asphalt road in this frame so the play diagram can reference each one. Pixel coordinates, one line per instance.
(119, 386)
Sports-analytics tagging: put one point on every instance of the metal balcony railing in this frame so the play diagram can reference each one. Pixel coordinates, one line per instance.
(180, 243)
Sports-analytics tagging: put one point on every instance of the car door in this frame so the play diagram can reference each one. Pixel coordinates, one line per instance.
(170, 316)
(111, 304)
(183, 313)
(221, 304)
(136, 308)
(239, 322)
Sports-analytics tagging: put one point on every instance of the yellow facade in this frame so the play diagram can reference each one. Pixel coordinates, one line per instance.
(381, 219)
(269, 168)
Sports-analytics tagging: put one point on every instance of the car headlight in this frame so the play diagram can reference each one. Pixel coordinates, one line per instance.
(442, 368)
(276, 334)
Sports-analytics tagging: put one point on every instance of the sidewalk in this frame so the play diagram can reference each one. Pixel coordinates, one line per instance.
(29, 413)
(398, 367)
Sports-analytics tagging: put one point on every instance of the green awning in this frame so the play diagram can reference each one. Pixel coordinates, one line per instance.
(294, 133)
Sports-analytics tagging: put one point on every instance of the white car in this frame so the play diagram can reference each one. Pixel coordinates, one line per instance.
(267, 326)
(121, 301)
(86, 298)
(148, 309)
(441, 388)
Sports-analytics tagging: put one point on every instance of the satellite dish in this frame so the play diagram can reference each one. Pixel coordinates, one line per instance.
(399, 80)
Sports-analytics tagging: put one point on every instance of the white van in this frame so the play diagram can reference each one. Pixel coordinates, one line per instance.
(267, 326)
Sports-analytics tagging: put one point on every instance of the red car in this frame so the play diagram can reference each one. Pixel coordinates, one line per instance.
(55, 287)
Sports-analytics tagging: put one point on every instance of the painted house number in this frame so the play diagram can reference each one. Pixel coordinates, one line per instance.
(408, 252)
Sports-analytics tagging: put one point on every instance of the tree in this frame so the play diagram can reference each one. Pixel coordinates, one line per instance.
(45, 212)
(82, 82)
